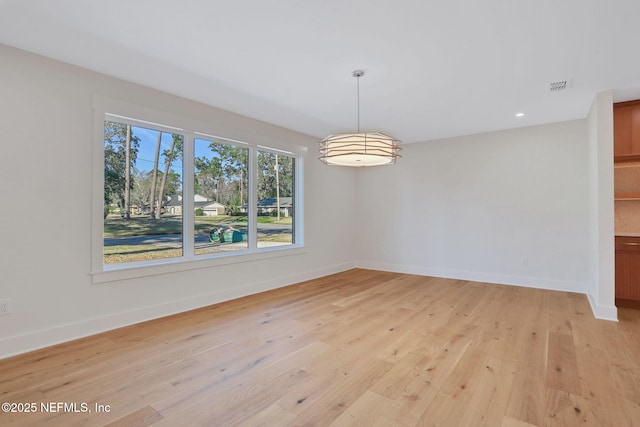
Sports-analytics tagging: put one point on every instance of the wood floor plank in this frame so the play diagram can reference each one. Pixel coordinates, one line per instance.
(628, 382)
(411, 404)
(271, 416)
(510, 422)
(562, 366)
(568, 409)
(365, 411)
(397, 379)
(386, 422)
(527, 400)
(600, 388)
(361, 347)
(322, 408)
(142, 417)
(433, 371)
(464, 380)
(488, 404)
(443, 410)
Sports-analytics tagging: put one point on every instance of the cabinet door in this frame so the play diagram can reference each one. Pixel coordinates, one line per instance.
(621, 131)
(628, 268)
(628, 275)
(626, 131)
(635, 129)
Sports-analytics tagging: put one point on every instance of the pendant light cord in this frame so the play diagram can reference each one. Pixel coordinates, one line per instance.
(358, 80)
(357, 74)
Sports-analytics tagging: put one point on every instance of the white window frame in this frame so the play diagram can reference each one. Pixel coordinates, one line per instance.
(106, 108)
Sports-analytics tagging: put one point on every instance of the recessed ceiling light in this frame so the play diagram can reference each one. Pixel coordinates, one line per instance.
(519, 114)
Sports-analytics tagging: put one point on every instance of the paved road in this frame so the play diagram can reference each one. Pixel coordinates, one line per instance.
(176, 239)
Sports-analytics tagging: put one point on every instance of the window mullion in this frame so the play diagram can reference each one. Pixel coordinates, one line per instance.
(188, 220)
(297, 197)
(252, 205)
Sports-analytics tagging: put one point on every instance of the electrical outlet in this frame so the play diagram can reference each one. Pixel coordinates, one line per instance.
(5, 308)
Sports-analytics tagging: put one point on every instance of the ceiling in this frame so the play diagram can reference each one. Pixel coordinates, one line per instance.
(434, 68)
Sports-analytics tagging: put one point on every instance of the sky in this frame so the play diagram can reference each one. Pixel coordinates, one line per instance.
(147, 149)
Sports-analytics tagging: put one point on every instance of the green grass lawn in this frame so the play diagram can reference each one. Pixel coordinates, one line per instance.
(130, 253)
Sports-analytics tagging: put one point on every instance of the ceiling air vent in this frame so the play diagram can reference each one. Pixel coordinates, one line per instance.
(559, 85)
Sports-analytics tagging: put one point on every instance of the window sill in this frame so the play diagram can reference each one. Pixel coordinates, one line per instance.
(124, 272)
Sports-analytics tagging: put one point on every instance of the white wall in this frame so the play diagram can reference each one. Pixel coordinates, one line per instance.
(504, 207)
(601, 288)
(45, 185)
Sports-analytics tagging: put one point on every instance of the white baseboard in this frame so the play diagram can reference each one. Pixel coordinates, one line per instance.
(20, 344)
(604, 312)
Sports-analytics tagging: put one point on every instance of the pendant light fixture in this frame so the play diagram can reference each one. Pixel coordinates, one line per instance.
(359, 149)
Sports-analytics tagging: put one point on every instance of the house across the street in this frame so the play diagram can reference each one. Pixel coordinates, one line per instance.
(213, 209)
(269, 205)
(173, 205)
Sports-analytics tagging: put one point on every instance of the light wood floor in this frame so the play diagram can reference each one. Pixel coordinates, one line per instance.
(358, 348)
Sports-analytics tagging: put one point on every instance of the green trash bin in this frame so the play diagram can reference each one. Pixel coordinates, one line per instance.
(214, 236)
(227, 236)
(235, 236)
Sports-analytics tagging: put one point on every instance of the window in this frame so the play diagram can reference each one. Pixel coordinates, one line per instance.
(221, 182)
(276, 199)
(172, 195)
(142, 202)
